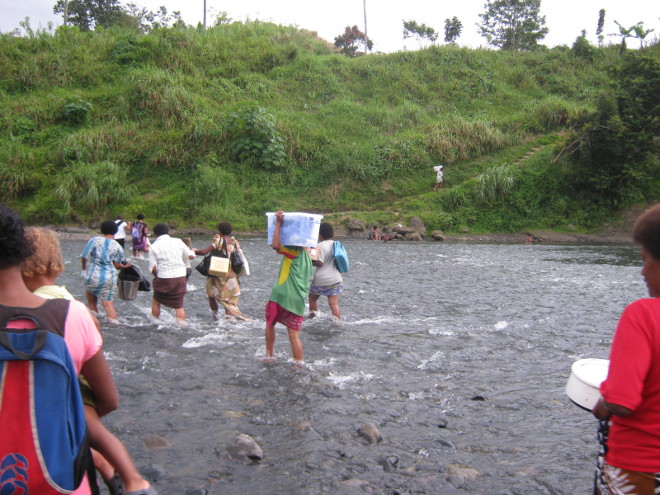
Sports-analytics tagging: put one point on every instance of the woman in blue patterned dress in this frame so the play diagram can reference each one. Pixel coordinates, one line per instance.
(101, 259)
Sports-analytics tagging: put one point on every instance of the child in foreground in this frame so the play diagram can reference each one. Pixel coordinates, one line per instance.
(286, 304)
(40, 272)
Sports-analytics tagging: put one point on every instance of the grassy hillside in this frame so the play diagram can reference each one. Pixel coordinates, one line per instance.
(195, 127)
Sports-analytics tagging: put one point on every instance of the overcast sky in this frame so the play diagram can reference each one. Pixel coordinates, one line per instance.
(565, 19)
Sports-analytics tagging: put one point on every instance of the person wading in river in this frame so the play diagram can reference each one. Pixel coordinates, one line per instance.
(287, 298)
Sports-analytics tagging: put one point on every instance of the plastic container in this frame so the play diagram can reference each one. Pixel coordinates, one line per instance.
(583, 386)
(298, 229)
(127, 289)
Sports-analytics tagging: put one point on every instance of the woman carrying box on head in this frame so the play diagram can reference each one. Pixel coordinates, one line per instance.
(286, 304)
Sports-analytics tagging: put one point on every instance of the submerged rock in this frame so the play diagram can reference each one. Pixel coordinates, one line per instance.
(153, 472)
(458, 474)
(245, 447)
(369, 432)
(155, 442)
(197, 491)
(389, 463)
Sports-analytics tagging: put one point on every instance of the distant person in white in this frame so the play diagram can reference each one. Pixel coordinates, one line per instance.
(167, 262)
(438, 177)
(122, 226)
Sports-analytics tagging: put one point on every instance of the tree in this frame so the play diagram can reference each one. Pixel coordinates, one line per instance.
(419, 31)
(513, 24)
(350, 40)
(87, 14)
(599, 28)
(582, 48)
(624, 33)
(613, 147)
(453, 28)
(641, 33)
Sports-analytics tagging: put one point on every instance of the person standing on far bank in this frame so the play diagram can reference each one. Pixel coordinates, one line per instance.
(438, 177)
(327, 279)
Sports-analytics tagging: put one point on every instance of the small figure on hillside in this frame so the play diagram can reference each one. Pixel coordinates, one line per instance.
(374, 235)
(438, 177)
(529, 239)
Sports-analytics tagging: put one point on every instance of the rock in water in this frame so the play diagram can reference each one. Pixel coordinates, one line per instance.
(155, 442)
(369, 432)
(245, 447)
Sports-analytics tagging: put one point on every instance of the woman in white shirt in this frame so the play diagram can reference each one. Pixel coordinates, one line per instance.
(167, 262)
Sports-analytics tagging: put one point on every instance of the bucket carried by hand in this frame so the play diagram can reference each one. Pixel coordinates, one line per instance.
(129, 281)
(127, 289)
(583, 387)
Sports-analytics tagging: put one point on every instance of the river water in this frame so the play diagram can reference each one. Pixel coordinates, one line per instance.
(458, 353)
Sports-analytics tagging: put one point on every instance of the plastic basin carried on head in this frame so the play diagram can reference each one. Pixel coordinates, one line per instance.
(298, 229)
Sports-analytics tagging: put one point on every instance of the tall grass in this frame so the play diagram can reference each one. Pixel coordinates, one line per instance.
(496, 183)
(92, 186)
(460, 139)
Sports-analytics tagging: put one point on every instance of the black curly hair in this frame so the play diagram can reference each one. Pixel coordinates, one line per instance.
(109, 227)
(225, 228)
(15, 246)
(326, 231)
(647, 231)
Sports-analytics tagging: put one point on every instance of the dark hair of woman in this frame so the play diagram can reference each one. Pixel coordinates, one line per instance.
(109, 227)
(646, 231)
(326, 231)
(15, 247)
(225, 228)
(161, 229)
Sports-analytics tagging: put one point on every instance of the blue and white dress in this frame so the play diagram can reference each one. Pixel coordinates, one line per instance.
(100, 273)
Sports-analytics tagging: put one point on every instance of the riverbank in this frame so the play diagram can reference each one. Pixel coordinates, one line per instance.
(608, 236)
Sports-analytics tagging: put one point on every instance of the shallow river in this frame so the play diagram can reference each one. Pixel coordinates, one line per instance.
(428, 330)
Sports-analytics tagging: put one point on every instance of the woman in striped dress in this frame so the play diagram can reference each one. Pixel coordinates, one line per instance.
(101, 259)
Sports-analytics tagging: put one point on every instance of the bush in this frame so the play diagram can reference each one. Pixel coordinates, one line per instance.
(75, 111)
(253, 138)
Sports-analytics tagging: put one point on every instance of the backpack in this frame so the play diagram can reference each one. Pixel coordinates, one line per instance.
(136, 231)
(44, 447)
(341, 258)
